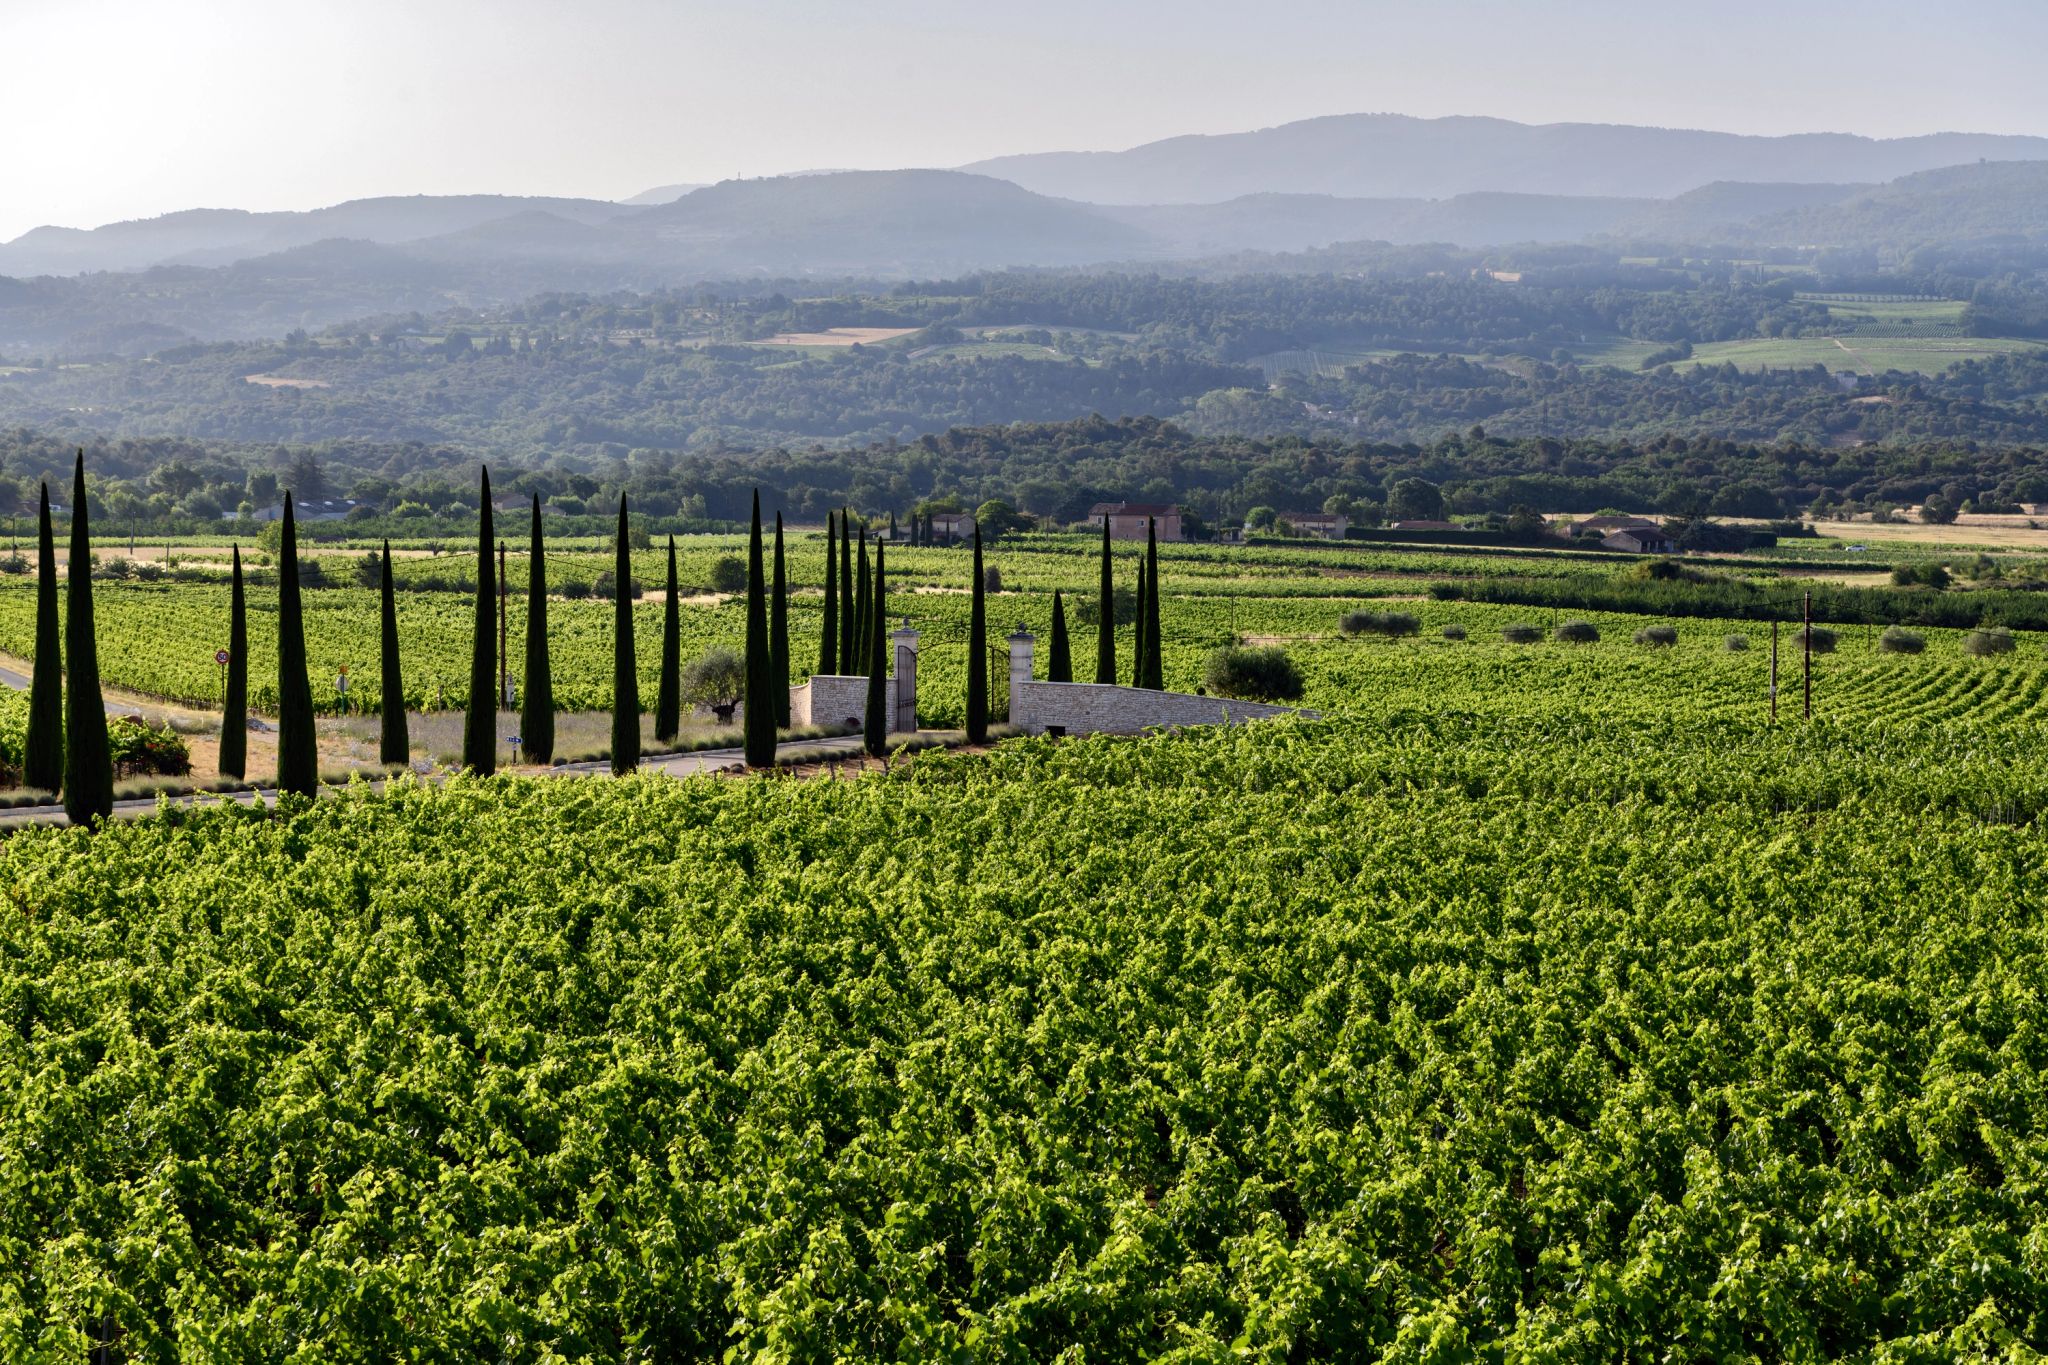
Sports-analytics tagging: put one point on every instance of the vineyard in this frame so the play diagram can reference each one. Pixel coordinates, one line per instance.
(1424, 1038)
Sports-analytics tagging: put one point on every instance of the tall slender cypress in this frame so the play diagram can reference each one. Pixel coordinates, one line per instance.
(298, 758)
(1148, 620)
(977, 654)
(234, 704)
(861, 604)
(828, 638)
(625, 661)
(1059, 663)
(394, 748)
(875, 726)
(1105, 625)
(480, 722)
(43, 747)
(759, 727)
(537, 706)
(778, 635)
(848, 660)
(88, 765)
(892, 525)
(668, 697)
(1138, 633)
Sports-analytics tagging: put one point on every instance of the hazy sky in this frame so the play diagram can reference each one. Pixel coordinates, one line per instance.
(127, 108)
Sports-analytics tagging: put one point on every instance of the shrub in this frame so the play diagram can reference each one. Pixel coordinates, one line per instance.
(1897, 640)
(1392, 624)
(575, 589)
(149, 571)
(1578, 633)
(991, 579)
(138, 748)
(1521, 633)
(1265, 674)
(1823, 640)
(14, 564)
(1984, 643)
(606, 586)
(1454, 632)
(729, 574)
(1659, 636)
(1735, 644)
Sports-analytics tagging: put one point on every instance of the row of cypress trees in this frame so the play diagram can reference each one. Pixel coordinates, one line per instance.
(66, 748)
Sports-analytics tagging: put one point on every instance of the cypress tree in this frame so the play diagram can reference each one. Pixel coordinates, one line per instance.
(860, 610)
(1105, 625)
(625, 662)
(234, 707)
(668, 698)
(298, 759)
(394, 748)
(759, 726)
(977, 655)
(1138, 633)
(537, 711)
(892, 526)
(875, 727)
(480, 722)
(1148, 621)
(88, 766)
(1059, 665)
(828, 639)
(848, 660)
(43, 748)
(778, 635)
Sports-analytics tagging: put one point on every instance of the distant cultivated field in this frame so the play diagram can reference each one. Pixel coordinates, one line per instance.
(1864, 355)
(838, 336)
(276, 381)
(2001, 534)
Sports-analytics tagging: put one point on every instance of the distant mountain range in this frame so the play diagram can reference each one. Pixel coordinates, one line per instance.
(226, 273)
(1395, 156)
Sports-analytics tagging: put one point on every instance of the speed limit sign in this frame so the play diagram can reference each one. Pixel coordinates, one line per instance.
(220, 656)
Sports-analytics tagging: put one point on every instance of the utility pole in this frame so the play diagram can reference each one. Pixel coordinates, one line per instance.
(504, 674)
(1774, 672)
(1807, 611)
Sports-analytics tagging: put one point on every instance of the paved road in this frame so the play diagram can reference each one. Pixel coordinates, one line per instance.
(675, 765)
(20, 682)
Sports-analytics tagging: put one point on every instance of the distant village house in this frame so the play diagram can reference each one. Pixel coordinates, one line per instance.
(1638, 540)
(1318, 525)
(1127, 519)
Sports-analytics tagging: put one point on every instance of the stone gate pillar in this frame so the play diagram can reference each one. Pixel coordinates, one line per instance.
(904, 721)
(1021, 641)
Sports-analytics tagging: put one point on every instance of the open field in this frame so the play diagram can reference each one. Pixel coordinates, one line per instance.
(1966, 533)
(837, 336)
(275, 381)
(1863, 310)
(1862, 354)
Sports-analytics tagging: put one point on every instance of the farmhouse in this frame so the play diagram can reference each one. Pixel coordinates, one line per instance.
(1318, 525)
(333, 510)
(952, 526)
(1127, 519)
(1638, 540)
(1607, 525)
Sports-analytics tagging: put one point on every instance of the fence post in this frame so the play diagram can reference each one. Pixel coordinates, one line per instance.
(1774, 672)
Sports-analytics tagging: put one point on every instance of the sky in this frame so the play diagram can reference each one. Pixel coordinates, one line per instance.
(121, 109)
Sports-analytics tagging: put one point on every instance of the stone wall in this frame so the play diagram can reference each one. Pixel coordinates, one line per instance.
(833, 699)
(1089, 708)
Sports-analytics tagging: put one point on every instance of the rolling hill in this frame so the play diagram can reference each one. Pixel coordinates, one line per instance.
(1396, 156)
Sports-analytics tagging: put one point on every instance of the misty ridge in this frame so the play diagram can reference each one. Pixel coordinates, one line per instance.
(1299, 187)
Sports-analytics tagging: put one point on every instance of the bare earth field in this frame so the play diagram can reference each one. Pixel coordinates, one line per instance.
(272, 381)
(1998, 533)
